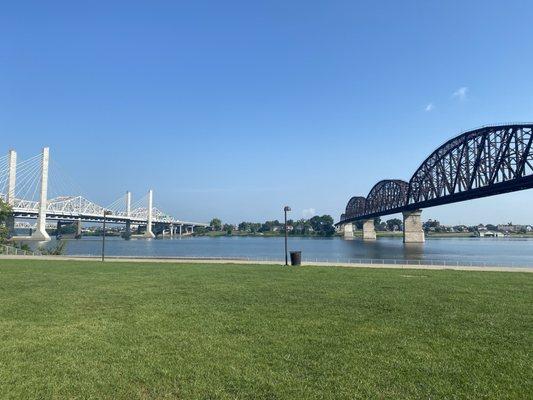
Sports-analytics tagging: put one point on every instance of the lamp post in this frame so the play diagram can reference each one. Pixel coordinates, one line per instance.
(106, 213)
(286, 209)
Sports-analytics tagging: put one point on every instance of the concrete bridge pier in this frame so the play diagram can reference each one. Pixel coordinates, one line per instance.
(412, 227)
(59, 224)
(78, 229)
(127, 231)
(348, 231)
(149, 234)
(181, 230)
(369, 231)
(40, 233)
(171, 230)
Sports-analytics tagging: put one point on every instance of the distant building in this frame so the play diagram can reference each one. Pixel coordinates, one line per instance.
(460, 228)
(510, 228)
(490, 234)
(481, 228)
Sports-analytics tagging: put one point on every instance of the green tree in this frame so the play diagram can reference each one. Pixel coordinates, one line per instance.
(301, 227)
(322, 225)
(228, 228)
(394, 224)
(199, 230)
(269, 226)
(5, 214)
(216, 224)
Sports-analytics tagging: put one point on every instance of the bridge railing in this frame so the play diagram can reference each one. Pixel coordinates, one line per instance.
(338, 261)
(418, 262)
(14, 251)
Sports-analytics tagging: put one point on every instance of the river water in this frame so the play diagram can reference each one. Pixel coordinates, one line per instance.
(464, 251)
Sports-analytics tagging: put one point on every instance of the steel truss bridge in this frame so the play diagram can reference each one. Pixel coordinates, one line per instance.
(22, 182)
(483, 162)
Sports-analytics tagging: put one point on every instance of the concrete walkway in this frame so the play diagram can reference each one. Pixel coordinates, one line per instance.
(250, 262)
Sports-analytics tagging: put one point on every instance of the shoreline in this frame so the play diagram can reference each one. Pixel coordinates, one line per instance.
(218, 260)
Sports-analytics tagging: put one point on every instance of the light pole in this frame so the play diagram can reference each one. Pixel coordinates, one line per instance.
(286, 209)
(106, 213)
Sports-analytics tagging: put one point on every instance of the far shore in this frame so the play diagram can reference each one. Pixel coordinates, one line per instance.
(356, 234)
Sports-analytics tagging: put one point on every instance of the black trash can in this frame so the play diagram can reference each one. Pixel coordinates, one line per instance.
(296, 258)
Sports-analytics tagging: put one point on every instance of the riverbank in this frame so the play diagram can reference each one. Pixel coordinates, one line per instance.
(165, 330)
(379, 264)
(357, 234)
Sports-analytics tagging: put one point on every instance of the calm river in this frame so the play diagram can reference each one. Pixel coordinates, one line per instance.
(490, 251)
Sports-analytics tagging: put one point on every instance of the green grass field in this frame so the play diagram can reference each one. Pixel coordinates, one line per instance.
(81, 330)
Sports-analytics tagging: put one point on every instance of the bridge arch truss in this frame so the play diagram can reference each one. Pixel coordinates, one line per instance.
(483, 162)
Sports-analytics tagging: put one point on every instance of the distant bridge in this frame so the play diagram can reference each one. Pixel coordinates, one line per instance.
(19, 194)
(483, 162)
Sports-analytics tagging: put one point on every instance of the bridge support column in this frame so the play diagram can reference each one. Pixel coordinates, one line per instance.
(181, 230)
(369, 231)
(127, 231)
(149, 234)
(171, 229)
(78, 229)
(40, 233)
(412, 227)
(128, 204)
(348, 231)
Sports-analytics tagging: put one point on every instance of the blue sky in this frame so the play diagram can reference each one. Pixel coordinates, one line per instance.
(233, 109)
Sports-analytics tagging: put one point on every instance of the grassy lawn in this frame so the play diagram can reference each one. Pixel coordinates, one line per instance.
(163, 331)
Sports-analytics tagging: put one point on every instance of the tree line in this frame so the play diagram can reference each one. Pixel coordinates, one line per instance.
(317, 225)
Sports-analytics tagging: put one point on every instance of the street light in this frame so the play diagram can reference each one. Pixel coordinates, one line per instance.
(106, 213)
(286, 209)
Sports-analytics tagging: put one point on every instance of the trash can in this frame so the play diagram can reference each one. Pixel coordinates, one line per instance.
(296, 258)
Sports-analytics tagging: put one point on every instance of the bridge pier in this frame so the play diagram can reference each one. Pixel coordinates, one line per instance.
(171, 229)
(40, 233)
(59, 224)
(78, 229)
(181, 230)
(149, 234)
(412, 227)
(369, 231)
(348, 231)
(127, 230)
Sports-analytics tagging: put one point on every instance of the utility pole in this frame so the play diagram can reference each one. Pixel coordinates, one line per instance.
(106, 213)
(286, 209)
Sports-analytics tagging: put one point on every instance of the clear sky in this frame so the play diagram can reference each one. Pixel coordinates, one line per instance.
(236, 108)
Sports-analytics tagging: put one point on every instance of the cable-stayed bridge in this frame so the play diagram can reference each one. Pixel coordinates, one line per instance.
(37, 188)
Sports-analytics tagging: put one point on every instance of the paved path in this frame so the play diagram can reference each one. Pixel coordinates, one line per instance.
(241, 261)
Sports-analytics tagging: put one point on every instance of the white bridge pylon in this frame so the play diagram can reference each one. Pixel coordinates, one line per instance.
(35, 176)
